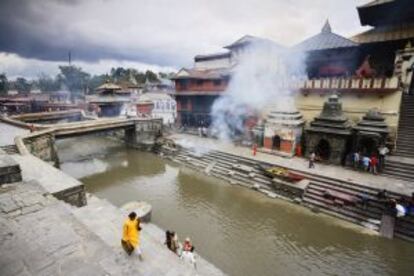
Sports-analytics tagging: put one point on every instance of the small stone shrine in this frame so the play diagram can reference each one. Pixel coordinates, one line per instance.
(329, 134)
(283, 131)
(370, 133)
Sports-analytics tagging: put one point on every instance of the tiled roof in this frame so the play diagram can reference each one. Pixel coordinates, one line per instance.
(218, 73)
(376, 3)
(326, 39)
(212, 56)
(108, 86)
(386, 33)
(249, 39)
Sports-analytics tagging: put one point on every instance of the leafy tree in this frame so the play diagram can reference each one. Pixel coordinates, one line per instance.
(22, 85)
(4, 84)
(97, 80)
(74, 79)
(47, 84)
(151, 76)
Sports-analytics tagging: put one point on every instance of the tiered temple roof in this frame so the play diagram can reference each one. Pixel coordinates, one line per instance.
(372, 123)
(331, 120)
(325, 40)
(285, 118)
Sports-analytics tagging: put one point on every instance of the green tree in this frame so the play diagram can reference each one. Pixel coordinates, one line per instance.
(4, 84)
(22, 85)
(47, 84)
(74, 79)
(97, 80)
(151, 76)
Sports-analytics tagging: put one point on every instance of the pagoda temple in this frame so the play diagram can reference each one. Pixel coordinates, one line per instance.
(329, 135)
(282, 131)
(109, 100)
(329, 54)
(370, 133)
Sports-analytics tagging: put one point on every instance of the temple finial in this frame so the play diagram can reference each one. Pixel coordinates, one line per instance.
(327, 27)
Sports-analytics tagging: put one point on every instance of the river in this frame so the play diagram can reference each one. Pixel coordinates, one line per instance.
(241, 231)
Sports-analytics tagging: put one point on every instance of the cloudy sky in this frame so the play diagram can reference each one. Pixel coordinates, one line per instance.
(36, 36)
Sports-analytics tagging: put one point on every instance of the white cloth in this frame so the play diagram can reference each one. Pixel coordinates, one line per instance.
(400, 210)
(384, 151)
(188, 258)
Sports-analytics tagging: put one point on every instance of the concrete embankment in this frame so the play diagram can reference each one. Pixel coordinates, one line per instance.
(248, 172)
(42, 235)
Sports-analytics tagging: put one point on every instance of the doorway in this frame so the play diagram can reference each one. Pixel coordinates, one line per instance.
(323, 150)
(276, 142)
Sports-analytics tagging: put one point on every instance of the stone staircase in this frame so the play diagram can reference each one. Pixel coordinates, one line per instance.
(10, 149)
(222, 165)
(106, 220)
(9, 170)
(405, 139)
(401, 164)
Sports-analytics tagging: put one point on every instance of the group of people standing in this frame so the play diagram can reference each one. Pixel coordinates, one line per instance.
(131, 241)
(184, 251)
(374, 163)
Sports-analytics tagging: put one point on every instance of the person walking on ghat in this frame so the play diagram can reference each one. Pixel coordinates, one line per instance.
(130, 235)
(383, 151)
(312, 157)
(254, 149)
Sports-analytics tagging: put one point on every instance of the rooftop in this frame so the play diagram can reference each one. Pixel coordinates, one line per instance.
(325, 40)
(212, 56)
(248, 40)
(218, 73)
(386, 33)
(108, 86)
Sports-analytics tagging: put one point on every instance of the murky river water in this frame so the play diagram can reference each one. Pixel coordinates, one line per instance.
(240, 231)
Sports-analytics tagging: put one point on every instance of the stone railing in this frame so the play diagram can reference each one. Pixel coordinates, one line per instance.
(385, 84)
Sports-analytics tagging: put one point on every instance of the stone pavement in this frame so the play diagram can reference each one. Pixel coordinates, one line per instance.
(201, 145)
(8, 132)
(39, 236)
(106, 221)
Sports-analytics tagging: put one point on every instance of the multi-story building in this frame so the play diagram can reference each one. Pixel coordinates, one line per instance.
(369, 71)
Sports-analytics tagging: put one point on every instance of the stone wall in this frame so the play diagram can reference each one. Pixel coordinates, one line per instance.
(144, 134)
(355, 105)
(75, 196)
(43, 147)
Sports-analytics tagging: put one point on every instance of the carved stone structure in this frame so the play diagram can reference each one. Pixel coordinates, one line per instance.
(283, 131)
(371, 132)
(329, 134)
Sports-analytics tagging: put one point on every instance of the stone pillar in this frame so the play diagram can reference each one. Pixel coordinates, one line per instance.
(43, 147)
(144, 134)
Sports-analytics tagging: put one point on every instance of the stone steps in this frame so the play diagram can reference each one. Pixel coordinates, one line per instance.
(10, 149)
(106, 221)
(405, 137)
(313, 197)
(10, 171)
(47, 239)
(399, 167)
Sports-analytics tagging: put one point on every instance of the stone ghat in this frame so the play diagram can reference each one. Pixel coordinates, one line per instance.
(41, 235)
(224, 166)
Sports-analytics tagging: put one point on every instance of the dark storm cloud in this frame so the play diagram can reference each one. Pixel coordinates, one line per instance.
(29, 29)
(162, 32)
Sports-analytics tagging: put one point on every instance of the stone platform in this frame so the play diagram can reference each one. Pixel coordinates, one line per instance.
(40, 235)
(299, 164)
(106, 220)
(9, 169)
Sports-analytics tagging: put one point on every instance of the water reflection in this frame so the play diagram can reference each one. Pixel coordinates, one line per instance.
(242, 232)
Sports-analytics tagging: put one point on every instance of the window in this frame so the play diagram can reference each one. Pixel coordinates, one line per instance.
(217, 82)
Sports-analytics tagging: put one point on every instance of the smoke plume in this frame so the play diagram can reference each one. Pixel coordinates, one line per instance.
(265, 76)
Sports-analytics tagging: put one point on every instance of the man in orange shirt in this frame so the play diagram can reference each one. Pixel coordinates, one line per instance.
(130, 235)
